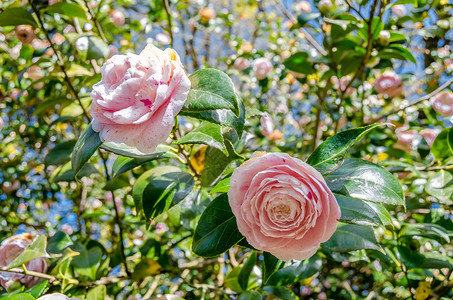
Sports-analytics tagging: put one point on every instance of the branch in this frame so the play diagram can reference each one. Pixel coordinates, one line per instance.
(29, 273)
(419, 100)
(167, 11)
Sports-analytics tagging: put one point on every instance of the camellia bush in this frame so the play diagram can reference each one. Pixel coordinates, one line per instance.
(226, 149)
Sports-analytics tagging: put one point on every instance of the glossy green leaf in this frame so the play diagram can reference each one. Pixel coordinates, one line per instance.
(59, 242)
(97, 293)
(87, 262)
(298, 62)
(250, 295)
(351, 237)
(128, 151)
(60, 154)
(14, 16)
(409, 258)
(223, 117)
(271, 264)
(123, 164)
(296, 271)
(281, 292)
(38, 289)
(85, 147)
(361, 212)
(222, 186)
(21, 296)
(36, 249)
(304, 17)
(244, 275)
(67, 9)
(441, 148)
(331, 153)
(364, 180)
(93, 47)
(217, 230)
(211, 89)
(156, 190)
(397, 51)
(432, 231)
(65, 172)
(440, 185)
(436, 261)
(207, 133)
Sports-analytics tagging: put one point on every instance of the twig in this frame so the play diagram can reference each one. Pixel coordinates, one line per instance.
(418, 101)
(95, 21)
(167, 11)
(29, 273)
(308, 36)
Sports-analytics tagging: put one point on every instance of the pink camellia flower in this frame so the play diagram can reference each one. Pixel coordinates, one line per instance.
(405, 136)
(399, 10)
(138, 98)
(267, 125)
(389, 83)
(241, 63)
(303, 6)
(12, 248)
(429, 135)
(117, 17)
(443, 103)
(262, 66)
(56, 296)
(282, 205)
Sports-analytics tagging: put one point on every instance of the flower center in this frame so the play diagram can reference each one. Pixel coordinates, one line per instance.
(282, 211)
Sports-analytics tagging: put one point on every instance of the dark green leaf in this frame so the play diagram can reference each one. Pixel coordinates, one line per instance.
(360, 212)
(330, 154)
(398, 52)
(436, 261)
(65, 173)
(441, 147)
(271, 264)
(14, 16)
(350, 237)
(440, 185)
(211, 89)
(250, 295)
(97, 293)
(298, 63)
(296, 272)
(156, 190)
(87, 262)
(364, 180)
(244, 275)
(207, 133)
(38, 289)
(432, 231)
(281, 292)
(85, 147)
(216, 231)
(67, 9)
(58, 242)
(128, 151)
(60, 154)
(36, 249)
(304, 17)
(409, 258)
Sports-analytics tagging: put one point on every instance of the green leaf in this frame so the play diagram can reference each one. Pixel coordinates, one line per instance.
(156, 190)
(97, 293)
(432, 231)
(440, 185)
(91, 47)
(123, 164)
(351, 237)
(87, 262)
(296, 272)
(250, 295)
(216, 231)
(36, 249)
(298, 63)
(128, 151)
(442, 148)
(38, 289)
(331, 153)
(146, 267)
(360, 212)
(364, 180)
(21, 296)
(399, 2)
(14, 16)
(398, 52)
(60, 154)
(223, 117)
(304, 17)
(211, 89)
(271, 264)
(65, 172)
(88, 142)
(59, 242)
(281, 292)
(207, 133)
(436, 261)
(67, 9)
(409, 258)
(222, 186)
(244, 275)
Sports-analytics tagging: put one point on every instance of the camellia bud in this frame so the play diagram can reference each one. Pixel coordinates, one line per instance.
(25, 33)
(399, 10)
(117, 17)
(241, 64)
(267, 125)
(443, 103)
(325, 6)
(384, 37)
(303, 6)
(262, 66)
(207, 13)
(389, 83)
